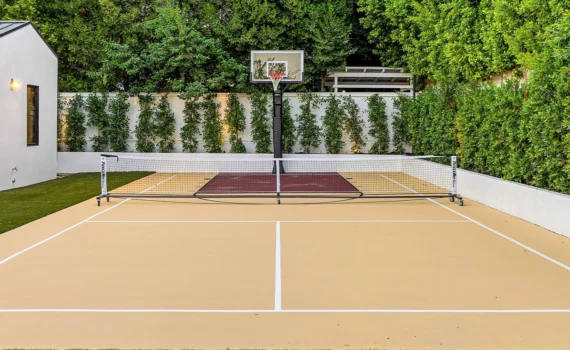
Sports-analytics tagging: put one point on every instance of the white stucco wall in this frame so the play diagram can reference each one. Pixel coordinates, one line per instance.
(177, 106)
(25, 57)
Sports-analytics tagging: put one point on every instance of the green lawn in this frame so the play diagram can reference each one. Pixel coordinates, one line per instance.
(22, 205)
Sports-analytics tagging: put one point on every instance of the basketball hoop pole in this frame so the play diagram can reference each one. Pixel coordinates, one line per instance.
(278, 128)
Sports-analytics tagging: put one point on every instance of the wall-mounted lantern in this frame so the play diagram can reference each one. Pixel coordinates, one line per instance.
(14, 84)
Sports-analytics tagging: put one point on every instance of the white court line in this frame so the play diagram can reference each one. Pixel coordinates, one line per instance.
(277, 266)
(542, 255)
(271, 221)
(74, 226)
(300, 311)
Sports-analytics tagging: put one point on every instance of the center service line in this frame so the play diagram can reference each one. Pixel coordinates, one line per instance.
(277, 266)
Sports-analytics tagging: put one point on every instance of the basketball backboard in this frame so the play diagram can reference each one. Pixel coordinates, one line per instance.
(264, 64)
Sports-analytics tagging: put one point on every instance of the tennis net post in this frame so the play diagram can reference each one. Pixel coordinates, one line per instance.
(104, 193)
(454, 175)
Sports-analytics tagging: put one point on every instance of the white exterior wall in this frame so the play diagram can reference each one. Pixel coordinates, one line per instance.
(25, 57)
(177, 106)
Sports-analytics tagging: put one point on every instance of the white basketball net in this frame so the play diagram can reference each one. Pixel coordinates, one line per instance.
(276, 78)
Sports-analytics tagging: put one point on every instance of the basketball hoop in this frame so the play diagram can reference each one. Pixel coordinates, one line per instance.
(276, 78)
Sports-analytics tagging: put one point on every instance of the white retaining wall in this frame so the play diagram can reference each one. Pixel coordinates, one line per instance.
(544, 208)
(548, 209)
(177, 106)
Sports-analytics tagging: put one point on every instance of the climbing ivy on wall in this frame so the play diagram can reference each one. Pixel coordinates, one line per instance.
(165, 125)
(98, 117)
(289, 129)
(400, 123)
(308, 130)
(260, 126)
(191, 129)
(212, 132)
(119, 122)
(145, 128)
(333, 125)
(353, 124)
(61, 105)
(75, 128)
(378, 120)
(235, 121)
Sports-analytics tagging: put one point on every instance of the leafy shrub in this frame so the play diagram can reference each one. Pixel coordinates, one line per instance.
(353, 124)
(119, 122)
(165, 125)
(260, 126)
(378, 120)
(145, 128)
(235, 120)
(333, 125)
(75, 128)
(213, 125)
(488, 124)
(289, 130)
(98, 117)
(308, 130)
(431, 122)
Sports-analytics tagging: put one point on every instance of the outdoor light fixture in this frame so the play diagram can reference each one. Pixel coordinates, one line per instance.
(14, 84)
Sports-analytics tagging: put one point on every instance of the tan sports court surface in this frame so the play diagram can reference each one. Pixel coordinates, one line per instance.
(368, 273)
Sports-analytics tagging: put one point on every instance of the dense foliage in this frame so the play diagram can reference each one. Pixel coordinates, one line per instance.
(378, 120)
(74, 125)
(260, 125)
(168, 45)
(165, 125)
(517, 131)
(213, 125)
(333, 125)
(235, 121)
(145, 128)
(309, 130)
(494, 130)
(289, 129)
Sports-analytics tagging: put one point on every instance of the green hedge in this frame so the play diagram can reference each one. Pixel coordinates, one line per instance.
(494, 130)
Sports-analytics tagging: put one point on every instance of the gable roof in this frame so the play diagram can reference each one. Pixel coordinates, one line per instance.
(7, 27)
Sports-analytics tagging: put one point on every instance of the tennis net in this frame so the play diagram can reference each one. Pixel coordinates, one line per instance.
(333, 177)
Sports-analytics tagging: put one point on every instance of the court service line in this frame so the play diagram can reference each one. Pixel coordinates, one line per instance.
(5, 260)
(271, 221)
(277, 266)
(300, 311)
(520, 244)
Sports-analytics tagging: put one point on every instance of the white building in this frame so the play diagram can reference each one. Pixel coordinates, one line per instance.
(28, 106)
